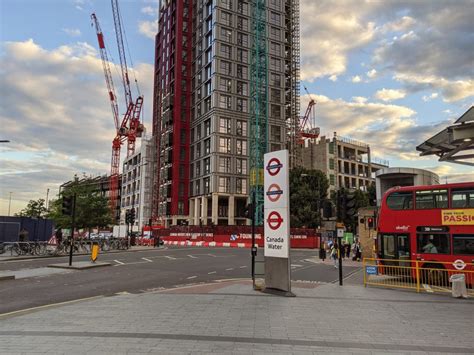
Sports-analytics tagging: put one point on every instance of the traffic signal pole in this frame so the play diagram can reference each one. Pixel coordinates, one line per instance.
(72, 228)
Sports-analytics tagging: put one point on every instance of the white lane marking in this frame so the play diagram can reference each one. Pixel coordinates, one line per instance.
(123, 293)
(119, 262)
(231, 268)
(212, 272)
(242, 267)
(147, 260)
(190, 277)
(170, 257)
(192, 256)
(296, 265)
(211, 255)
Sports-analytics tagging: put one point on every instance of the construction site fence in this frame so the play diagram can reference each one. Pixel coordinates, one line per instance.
(416, 275)
(299, 237)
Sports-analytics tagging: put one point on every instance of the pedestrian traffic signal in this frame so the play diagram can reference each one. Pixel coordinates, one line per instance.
(370, 222)
(249, 211)
(67, 205)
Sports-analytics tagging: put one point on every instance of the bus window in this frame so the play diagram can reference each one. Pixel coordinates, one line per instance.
(432, 243)
(463, 244)
(388, 243)
(462, 198)
(400, 201)
(431, 199)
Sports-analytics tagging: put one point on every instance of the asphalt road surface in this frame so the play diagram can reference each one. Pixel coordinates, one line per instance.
(140, 271)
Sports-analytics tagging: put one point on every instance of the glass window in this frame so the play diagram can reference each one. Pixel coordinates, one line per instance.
(241, 186)
(275, 95)
(241, 105)
(224, 164)
(275, 18)
(400, 201)
(388, 244)
(241, 166)
(275, 33)
(242, 39)
(207, 146)
(225, 84)
(226, 35)
(226, 4)
(463, 244)
(431, 199)
(207, 183)
(242, 55)
(224, 125)
(242, 23)
(226, 18)
(241, 147)
(224, 184)
(242, 88)
(207, 165)
(275, 64)
(432, 243)
(226, 51)
(224, 145)
(461, 198)
(242, 71)
(241, 128)
(225, 102)
(226, 67)
(275, 79)
(207, 127)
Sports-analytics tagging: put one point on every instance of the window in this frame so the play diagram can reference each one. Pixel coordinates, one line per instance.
(275, 18)
(225, 102)
(224, 164)
(242, 7)
(463, 244)
(226, 18)
(208, 56)
(462, 198)
(241, 147)
(242, 23)
(226, 35)
(275, 111)
(226, 68)
(198, 168)
(224, 145)
(207, 127)
(432, 243)
(207, 166)
(331, 163)
(275, 79)
(226, 51)
(209, 40)
(207, 88)
(275, 33)
(275, 95)
(275, 48)
(400, 201)
(207, 187)
(198, 150)
(207, 146)
(242, 71)
(332, 179)
(226, 4)
(275, 4)
(242, 88)
(242, 39)
(225, 84)
(241, 105)
(241, 166)
(197, 187)
(275, 64)
(331, 148)
(224, 184)
(431, 199)
(241, 186)
(242, 55)
(224, 125)
(241, 128)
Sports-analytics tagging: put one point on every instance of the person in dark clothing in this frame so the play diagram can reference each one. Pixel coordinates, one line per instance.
(347, 248)
(59, 236)
(23, 236)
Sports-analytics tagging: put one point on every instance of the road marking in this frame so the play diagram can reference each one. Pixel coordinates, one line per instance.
(32, 309)
(296, 265)
(193, 257)
(231, 268)
(119, 262)
(122, 293)
(211, 255)
(190, 277)
(147, 260)
(170, 257)
(212, 272)
(242, 267)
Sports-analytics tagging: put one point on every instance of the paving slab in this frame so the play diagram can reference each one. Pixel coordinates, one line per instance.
(7, 277)
(25, 273)
(79, 265)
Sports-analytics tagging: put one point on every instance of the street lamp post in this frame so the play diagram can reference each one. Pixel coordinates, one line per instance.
(9, 203)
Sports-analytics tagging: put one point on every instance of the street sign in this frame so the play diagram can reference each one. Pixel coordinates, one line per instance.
(340, 233)
(371, 270)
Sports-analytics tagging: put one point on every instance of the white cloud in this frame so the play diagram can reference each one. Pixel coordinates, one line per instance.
(73, 32)
(389, 94)
(399, 25)
(427, 98)
(151, 11)
(356, 79)
(371, 73)
(359, 99)
(333, 78)
(451, 173)
(57, 116)
(148, 28)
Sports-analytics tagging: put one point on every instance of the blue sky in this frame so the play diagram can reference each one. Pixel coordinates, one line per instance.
(389, 73)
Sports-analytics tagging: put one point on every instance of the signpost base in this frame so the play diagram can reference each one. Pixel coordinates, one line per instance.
(276, 292)
(277, 276)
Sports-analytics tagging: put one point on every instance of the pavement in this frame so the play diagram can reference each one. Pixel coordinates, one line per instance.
(229, 317)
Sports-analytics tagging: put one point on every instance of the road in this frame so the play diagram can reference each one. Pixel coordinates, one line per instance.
(139, 271)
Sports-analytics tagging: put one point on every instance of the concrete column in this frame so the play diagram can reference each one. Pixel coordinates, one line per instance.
(215, 204)
(196, 211)
(231, 219)
(191, 212)
(203, 210)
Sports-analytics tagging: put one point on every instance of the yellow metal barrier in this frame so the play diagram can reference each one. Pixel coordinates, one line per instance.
(418, 275)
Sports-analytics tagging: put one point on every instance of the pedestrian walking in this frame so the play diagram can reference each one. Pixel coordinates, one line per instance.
(347, 249)
(23, 236)
(334, 254)
(357, 251)
(59, 236)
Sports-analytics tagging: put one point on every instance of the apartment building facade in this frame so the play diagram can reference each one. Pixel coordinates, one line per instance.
(202, 106)
(136, 187)
(346, 162)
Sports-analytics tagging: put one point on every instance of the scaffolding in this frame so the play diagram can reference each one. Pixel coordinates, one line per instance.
(259, 106)
(292, 81)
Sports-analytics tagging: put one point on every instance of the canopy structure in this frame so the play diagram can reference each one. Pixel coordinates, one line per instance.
(454, 144)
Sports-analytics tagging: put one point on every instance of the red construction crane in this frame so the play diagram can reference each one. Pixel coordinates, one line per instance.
(307, 128)
(130, 126)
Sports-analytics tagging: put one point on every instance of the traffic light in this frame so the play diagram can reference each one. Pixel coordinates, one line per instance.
(249, 211)
(350, 205)
(132, 216)
(370, 222)
(67, 207)
(327, 209)
(127, 216)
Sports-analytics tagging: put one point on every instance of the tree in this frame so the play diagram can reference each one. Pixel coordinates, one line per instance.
(92, 207)
(361, 199)
(308, 189)
(372, 194)
(34, 209)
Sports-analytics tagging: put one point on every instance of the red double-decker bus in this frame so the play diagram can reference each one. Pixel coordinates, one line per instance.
(430, 224)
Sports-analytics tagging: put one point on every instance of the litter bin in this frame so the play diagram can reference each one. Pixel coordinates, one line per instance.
(458, 288)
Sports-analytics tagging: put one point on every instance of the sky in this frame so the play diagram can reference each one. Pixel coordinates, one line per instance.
(389, 73)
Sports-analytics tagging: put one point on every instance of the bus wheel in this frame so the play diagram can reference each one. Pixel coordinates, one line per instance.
(436, 275)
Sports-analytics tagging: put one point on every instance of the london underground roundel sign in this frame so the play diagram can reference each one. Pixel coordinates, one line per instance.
(274, 192)
(274, 166)
(274, 220)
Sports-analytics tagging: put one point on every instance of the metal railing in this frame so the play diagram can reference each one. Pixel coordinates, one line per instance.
(417, 275)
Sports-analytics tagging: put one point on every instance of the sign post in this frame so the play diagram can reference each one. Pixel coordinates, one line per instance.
(277, 224)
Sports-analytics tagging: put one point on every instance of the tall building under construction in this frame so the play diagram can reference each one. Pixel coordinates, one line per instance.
(213, 94)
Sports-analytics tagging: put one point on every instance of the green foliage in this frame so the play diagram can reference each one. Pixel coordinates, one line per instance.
(34, 209)
(308, 188)
(372, 194)
(92, 208)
